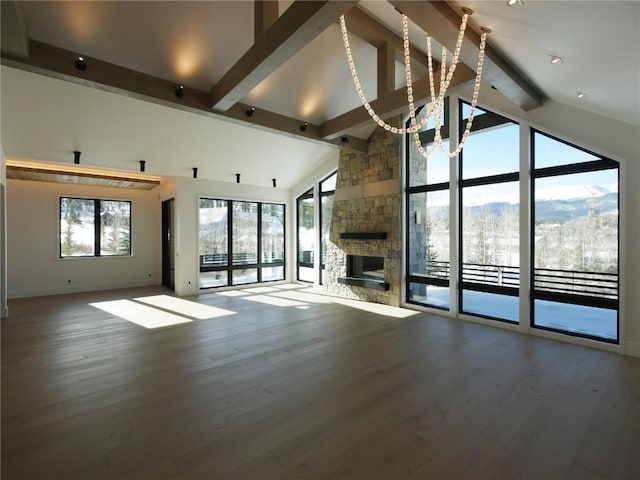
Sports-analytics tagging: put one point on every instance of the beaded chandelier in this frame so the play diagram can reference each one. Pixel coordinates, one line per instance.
(437, 102)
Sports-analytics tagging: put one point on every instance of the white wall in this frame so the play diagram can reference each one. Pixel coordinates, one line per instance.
(34, 266)
(187, 192)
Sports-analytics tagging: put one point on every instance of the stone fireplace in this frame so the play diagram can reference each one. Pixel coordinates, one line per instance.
(365, 222)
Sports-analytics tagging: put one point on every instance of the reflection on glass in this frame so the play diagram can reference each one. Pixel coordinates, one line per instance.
(115, 227)
(77, 227)
(429, 233)
(213, 279)
(246, 275)
(306, 234)
(245, 233)
(270, 274)
(327, 190)
(213, 232)
(272, 233)
(431, 295)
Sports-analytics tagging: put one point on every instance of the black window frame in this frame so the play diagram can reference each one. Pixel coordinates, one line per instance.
(327, 193)
(299, 263)
(97, 221)
(260, 264)
(487, 120)
(603, 163)
(426, 137)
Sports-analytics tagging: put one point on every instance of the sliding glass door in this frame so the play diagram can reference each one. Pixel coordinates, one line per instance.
(240, 242)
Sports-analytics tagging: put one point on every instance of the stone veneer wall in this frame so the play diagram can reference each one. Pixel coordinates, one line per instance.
(367, 199)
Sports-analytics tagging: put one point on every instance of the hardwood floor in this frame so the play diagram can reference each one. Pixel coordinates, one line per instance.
(281, 383)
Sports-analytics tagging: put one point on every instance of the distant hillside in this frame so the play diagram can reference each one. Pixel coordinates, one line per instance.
(558, 210)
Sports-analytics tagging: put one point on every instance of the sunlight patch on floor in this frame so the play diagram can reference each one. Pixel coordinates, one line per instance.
(232, 293)
(303, 297)
(275, 301)
(260, 290)
(289, 286)
(377, 308)
(185, 307)
(145, 316)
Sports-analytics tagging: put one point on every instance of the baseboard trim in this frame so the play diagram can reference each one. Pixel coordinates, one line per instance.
(42, 292)
(632, 349)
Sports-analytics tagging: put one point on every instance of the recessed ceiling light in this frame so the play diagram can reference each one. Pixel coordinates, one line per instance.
(511, 3)
(555, 59)
(581, 95)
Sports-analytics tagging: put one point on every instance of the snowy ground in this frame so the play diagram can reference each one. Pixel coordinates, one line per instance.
(598, 322)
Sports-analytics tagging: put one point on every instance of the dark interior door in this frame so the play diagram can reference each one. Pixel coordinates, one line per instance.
(168, 266)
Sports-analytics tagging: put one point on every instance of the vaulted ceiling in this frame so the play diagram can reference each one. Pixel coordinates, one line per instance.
(285, 62)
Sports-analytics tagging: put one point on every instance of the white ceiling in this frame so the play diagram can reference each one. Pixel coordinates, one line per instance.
(195, 43)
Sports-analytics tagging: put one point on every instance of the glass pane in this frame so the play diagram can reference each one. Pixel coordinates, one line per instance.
(429, 171)
(492, 151)
(549, 152)
(213, 279)
(272, 273)
(305, 274)
(490, 224)
(245, 233)
(503, 307)
(247, 275)
(213, 233)
(430, 295)
(327, 211)
(306, 231)
(576, 222)
(429, 234)
(579, 319)
(115, 227)
(272, 233)
(329, 184)
(77, 227)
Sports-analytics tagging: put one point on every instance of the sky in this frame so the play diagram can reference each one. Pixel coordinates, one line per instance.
(496, 151)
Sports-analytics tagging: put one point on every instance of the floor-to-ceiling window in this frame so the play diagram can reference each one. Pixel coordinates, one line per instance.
(489, 225)
(240, 242)
(327, 194)
(574, 239)
(573, 220)
(427, 218)
(306, 236)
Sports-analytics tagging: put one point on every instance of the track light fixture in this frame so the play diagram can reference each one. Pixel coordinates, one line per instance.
(195, 172)
(344, 139)
(179, 91)
(250, 111)
(76, 157)
(303, 127)
(273, 180)
(237, 178)
(80, 64)
(142, 163)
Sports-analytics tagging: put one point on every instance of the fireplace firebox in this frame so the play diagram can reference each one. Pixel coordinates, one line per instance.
(363, 271)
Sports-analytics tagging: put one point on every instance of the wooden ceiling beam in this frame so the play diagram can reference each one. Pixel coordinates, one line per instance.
(14, 38)
(293, 30)
(387, 105)
(443, 23)
(265, 14)
(367, 28)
